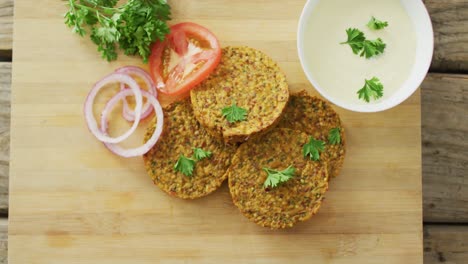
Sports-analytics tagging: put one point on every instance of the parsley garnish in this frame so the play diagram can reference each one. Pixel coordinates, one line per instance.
(376, 24)
(200, 154)
(372, 48)
(334, 136)
(133, 27)
(234, 113)
(360, 45)
(355, 39)
(276, 177)
(313, 149)
(372, 88)
(186, 165)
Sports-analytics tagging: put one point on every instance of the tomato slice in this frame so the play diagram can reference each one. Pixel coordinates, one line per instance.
(184, 59)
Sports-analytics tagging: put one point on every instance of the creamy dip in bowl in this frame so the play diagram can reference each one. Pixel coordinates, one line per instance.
(338, 73)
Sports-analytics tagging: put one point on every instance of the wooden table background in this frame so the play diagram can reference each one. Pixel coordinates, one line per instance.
(444, 96)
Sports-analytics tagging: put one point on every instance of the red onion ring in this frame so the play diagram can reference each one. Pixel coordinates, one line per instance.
(128, 113)
(88, 107)
(127, 153)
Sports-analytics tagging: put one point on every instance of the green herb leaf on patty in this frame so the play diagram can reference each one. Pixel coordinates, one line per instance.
(200, 154)
(185, 165)
(234, 113)
(372, 88)
(355, 39)
(334, 136)
(313, 149)
(376, 24)
(276, 177)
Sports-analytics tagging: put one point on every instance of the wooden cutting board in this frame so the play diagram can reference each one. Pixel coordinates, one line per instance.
(71, 201)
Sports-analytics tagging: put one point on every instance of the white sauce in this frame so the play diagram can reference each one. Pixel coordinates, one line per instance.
(341, 72)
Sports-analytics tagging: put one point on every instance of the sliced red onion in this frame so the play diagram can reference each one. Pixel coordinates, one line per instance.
(88, 107)
(128, 113)
(127, 153)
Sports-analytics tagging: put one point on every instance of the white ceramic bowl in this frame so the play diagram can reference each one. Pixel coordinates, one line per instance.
(424, 49)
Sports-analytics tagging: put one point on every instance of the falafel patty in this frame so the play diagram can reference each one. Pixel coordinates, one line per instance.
(251, 80)
(316, 117)
(181, 133)
(293, 201)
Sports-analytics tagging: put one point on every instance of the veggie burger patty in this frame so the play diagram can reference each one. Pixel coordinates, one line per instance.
(292, 201)
(181, 134)
(251, 80)
(316, 117)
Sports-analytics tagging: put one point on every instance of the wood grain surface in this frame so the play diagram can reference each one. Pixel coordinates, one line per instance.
(445, 148)
(5, 84)
(3, 240)
(445, 244)
(450, 22)
(71, 201)
(6, 25)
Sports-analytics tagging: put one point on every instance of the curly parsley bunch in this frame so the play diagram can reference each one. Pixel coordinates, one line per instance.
(132, 27)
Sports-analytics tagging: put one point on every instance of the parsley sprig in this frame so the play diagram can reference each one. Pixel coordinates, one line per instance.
(362, 46)
(313, 149)
(376, 24)
(132, 27)
(372, 88)
(276, 177)
(186, 165)
(334, 136)
(234, 113)
(372, 48)
(200, 154)
(355, 40)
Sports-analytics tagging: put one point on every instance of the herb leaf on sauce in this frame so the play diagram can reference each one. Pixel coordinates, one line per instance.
(313, 149)
(362, 46)
(376, 24)
(276, 177)
(355, 39)
(372, 48)
(372, 88)
(185, 165)
(234, 113)
(334, 136)
(199, 154)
